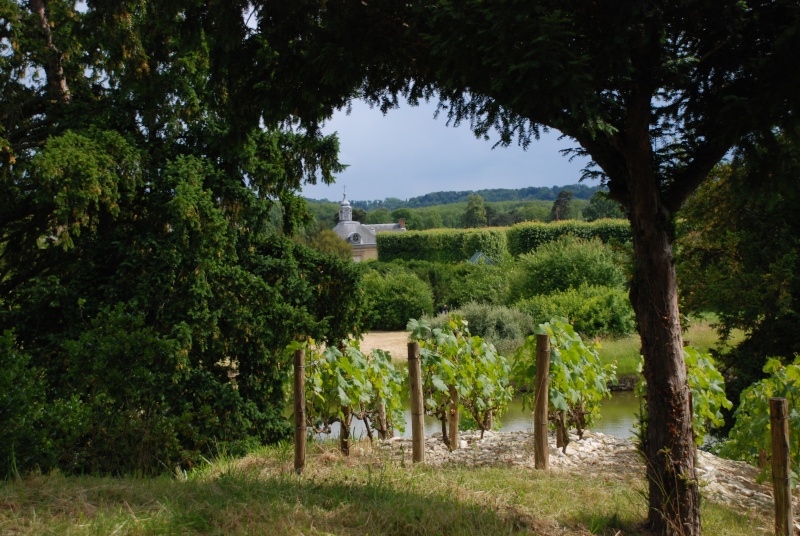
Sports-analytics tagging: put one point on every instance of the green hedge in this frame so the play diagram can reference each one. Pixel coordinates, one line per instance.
(526, 237)
(393, 297)
(442, 245)
(593, 309)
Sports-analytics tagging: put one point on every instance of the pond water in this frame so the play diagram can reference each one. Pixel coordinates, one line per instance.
(617, 416)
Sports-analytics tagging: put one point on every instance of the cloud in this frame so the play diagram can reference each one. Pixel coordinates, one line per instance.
(409, 153)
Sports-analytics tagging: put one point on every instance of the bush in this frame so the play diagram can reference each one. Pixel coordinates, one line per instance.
(527, 237)
(505, 327)
(456, 284)
(21, 408)
(442, 245)
(566, 263)
(593, 310)
(393, 297)
(480, 283)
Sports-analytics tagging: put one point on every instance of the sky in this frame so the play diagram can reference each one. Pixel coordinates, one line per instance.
(408, 153)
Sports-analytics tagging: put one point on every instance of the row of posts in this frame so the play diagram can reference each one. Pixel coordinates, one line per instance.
(778, 407)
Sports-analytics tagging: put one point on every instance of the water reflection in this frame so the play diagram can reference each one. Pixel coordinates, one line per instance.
(617, 418)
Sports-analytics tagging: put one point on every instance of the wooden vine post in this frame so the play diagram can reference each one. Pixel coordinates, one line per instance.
(299, 410)
(562, 433)
(781, 484)
(453, 418)
(344, 430)
(541, 451)
(417, 407)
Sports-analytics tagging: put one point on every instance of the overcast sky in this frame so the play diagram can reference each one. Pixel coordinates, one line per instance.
(408, 153)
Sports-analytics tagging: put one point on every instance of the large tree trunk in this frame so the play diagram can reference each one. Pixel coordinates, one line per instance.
(57, 88)
(669, 441)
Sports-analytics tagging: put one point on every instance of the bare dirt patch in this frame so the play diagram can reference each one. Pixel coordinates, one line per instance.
(394, 342)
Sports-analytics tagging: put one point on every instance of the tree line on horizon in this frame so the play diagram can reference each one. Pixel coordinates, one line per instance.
(542, 193)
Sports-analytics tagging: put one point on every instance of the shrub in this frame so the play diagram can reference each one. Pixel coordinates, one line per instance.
(592, 309)
(567, 263)
(393, 297)
(456, 284)
(505, 327)
(527, 237)
(480, 283)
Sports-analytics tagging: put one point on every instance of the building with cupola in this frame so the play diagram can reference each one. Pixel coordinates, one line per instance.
(362, 236)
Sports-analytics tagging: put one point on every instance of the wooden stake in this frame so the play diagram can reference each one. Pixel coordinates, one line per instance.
(383, 426)
(452, 418)
(417, 407)
(541, 451)
(562, 434)
(781, 485)
(344, 430)
(299, 410)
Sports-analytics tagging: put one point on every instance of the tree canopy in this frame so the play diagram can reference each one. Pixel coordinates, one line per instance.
(656, 94)
(146, 281)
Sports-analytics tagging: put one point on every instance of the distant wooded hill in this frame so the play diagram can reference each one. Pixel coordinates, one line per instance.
(542, 193)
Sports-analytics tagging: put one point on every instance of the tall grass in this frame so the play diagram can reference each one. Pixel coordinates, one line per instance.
(700, 334)
(366, 494)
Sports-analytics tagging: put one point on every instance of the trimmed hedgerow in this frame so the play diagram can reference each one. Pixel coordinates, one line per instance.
(526, 237)
(442, 245)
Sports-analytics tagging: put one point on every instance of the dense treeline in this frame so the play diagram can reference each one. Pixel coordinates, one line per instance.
(540, 193)
(452, 216)
(147, 286)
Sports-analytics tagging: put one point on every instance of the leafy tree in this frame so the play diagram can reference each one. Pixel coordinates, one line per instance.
(475, 215)
(413, 220)
(326, 241)
(144, 264)
(561, 206)
(391, 298)
(655, 94)
(739, 255)
(600, 206)
(381, 215)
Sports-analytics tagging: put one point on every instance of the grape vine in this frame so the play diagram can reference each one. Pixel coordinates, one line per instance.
(457, 366)
(578, 380)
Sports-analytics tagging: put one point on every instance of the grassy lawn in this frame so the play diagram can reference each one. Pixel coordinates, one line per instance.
(364, 495)
(626, 350)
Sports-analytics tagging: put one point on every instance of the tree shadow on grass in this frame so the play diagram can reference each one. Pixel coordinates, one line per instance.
(241, 504)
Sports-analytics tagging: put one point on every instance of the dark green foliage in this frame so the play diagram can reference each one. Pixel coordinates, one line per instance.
(22, 407)
(600, 206)
(580, 191)
(457, 284)
(475, 215)
(561, 206)
(592, 309)
(739, 255)
(527, 237)
(442, 245)
(145, 267)
(414, 221)
(393, 297)
(566, 263)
